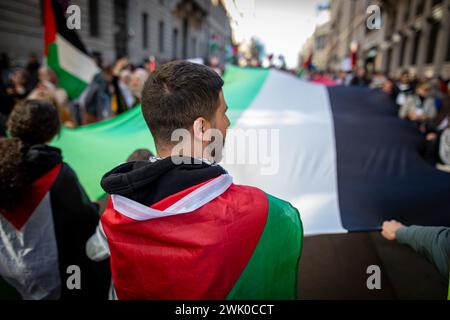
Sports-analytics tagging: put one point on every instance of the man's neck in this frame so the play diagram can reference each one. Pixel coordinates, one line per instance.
(166, 153)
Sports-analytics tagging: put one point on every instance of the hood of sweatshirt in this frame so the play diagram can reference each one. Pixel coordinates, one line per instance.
(40, 159)
(148, 182)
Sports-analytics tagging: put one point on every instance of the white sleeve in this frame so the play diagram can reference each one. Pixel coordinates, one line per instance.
(97, 248)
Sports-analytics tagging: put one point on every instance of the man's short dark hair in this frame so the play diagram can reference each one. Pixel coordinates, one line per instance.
(176, 94)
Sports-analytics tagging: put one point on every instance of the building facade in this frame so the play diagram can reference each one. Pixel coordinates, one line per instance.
(317, 45)
(414, 35)
(166, 29)
(349, 35)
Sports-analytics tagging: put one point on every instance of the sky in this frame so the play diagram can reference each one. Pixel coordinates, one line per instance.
(282, 25)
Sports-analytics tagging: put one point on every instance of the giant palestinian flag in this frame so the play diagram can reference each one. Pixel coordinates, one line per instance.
(346, 162)
(65, 52)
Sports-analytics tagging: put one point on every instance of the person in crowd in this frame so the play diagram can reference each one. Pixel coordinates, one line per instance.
(110, 93)
(360, 79)
(378, 80)
(435, 92)
(404, 88)
(184, 95)
(49, 80)
(45, 91)
(32, 69)
(431, 242)
(138, 78)
(127, 92)
(419, 107)
(18, 87)
(96, 101)
(122, 96)
(46, 217)
(341, 78)
(124, 85)
(214, 63)
(150, 65)
(442, 84)
(436, 127)
(390, 89)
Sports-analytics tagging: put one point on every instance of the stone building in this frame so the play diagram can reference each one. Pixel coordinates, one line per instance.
(317, 45)
(414, 35)
(166, 29)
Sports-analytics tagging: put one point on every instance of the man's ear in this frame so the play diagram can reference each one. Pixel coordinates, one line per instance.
(201, 125)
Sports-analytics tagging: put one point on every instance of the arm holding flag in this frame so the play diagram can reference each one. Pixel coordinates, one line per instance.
(432, 242)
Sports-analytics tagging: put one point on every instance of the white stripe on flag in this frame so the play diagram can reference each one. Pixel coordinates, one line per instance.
(29, 256)
(307, 174)
(189, 203)
(74, 61)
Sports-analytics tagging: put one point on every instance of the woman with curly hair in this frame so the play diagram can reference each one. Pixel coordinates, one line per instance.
(46, 217)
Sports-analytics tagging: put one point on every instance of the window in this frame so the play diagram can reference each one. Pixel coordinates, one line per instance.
(175, 43)
(393, 20)
(402, 51)
(145, 30)
(420, 7)
(448, 48)
(93, 18)
(320, 42)
(416, 47)
(434, 33)
(194, 47)
(161, 36)
(406, 12)
(388, 61)
(41, 5)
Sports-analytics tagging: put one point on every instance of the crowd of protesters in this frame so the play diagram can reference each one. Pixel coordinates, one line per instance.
(115, 89)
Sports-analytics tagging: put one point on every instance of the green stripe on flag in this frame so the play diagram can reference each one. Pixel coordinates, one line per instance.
(241, 87)
(95, 149)
(272, 270)
(72, 84)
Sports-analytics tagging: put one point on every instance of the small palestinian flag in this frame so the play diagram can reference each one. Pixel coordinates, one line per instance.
(65, 52)
(215, 240)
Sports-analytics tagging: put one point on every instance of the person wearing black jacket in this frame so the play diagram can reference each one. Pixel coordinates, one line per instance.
(46, 217)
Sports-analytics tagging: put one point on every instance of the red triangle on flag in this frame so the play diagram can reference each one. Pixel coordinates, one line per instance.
(19, 213)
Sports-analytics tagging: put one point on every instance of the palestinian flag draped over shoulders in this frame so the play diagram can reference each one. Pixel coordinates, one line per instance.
(206, 240)
(65, 52)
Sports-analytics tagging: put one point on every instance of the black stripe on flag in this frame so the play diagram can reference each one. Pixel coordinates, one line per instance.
(381, 170)
(59, 10)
